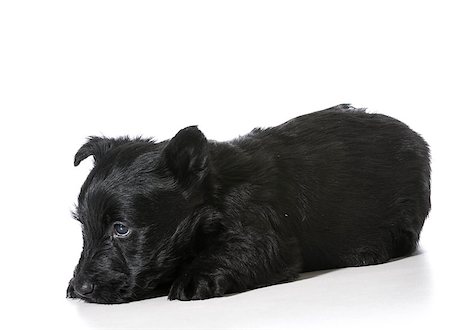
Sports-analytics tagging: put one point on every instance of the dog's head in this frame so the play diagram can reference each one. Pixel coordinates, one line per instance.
(134, 205)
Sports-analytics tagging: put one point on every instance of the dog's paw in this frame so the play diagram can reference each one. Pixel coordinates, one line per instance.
(195, 287)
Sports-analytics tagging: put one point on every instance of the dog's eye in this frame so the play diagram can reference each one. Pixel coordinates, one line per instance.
(120, 229)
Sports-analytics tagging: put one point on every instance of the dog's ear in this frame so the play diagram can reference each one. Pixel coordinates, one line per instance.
(97, 147)
(186, 155)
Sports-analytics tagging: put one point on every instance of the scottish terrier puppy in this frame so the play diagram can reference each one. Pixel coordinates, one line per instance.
(193, 218)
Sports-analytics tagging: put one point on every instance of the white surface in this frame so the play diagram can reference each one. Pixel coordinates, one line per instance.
(73, 69)
(370, 297)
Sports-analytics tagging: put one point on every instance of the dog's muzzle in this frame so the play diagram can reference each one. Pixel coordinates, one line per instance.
(80, 288)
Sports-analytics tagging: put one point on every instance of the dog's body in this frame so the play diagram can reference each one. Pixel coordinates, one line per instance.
(196, 219)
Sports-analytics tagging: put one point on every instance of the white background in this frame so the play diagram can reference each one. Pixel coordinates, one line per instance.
(69, 69)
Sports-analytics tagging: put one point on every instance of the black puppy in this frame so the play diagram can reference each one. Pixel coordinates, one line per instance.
(197, 219)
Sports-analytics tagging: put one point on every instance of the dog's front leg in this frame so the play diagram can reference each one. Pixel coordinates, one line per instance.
(236, 265)
(199, 283)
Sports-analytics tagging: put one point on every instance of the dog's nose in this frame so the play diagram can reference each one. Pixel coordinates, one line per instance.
(84, 288)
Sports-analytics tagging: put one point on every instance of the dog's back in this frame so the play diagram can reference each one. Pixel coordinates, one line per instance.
(352, 186)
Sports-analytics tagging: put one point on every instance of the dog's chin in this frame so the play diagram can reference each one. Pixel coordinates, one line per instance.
(116, 299)
(103, 301)
(99, 300)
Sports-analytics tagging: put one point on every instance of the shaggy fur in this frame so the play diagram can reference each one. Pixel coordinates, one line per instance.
(334, 188)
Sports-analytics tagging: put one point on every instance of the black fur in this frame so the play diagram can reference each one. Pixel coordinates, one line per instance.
(334, 188)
